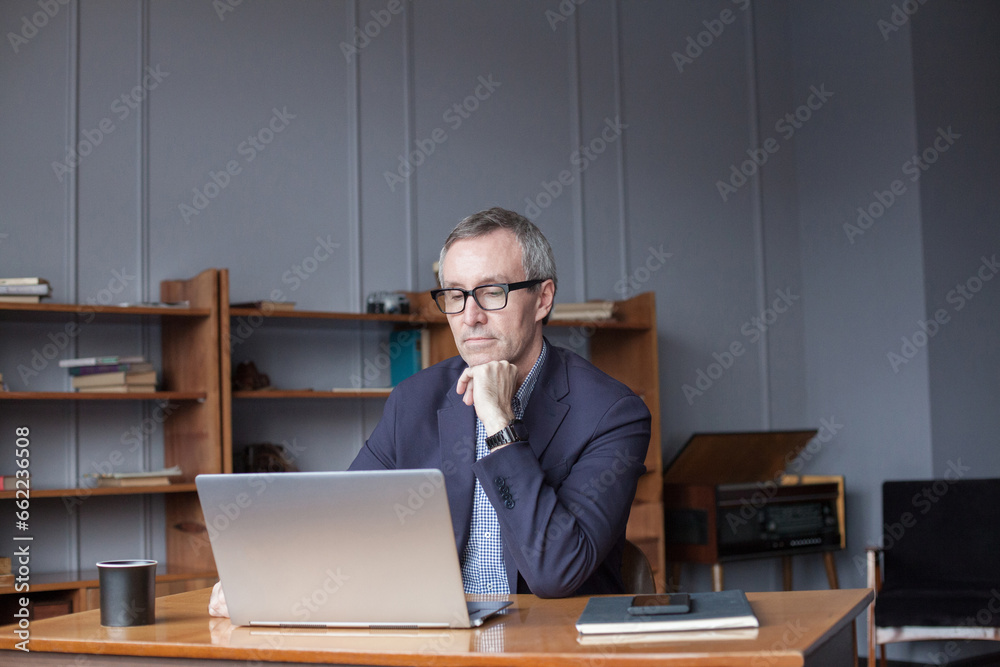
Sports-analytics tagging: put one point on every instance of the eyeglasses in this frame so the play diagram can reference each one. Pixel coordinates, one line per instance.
(451, 300)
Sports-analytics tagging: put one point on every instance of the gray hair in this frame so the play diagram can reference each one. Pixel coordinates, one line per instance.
(536, 253)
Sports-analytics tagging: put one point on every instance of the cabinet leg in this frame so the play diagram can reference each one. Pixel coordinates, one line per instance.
(717, 579)
(831, 569)
(786, 573)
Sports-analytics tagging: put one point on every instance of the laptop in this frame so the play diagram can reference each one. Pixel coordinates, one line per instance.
(364, 549)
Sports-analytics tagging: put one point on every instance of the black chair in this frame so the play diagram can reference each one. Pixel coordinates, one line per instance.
(937, 572)
(636, 571)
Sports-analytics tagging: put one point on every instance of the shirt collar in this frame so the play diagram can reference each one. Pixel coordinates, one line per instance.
(520, 400)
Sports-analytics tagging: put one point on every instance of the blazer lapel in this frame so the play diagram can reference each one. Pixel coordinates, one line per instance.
(457, 433)
(545, 410)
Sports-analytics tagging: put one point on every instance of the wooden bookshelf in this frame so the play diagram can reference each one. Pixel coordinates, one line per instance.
(191, 431)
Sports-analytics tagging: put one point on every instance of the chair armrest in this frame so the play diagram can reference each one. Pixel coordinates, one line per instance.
(873, 557)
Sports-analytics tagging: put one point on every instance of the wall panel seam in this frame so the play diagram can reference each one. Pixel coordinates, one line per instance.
(623, 225)
(354, 163)
(757, 215)
(71, 448)
(575, 109)
(409, 131)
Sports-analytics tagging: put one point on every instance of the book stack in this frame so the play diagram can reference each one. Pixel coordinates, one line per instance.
(150, 478)
(111, 374)
(264, 305)
(587, 311)
(24, 290)
(9, 483)
(6, 575)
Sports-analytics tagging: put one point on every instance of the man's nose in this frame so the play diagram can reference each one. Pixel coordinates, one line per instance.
(473, 314)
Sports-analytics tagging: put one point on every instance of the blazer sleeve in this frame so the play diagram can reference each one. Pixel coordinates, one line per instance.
(378, 452)
(560, 534)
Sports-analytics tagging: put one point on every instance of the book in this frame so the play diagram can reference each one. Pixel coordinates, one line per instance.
(108, 379)
(132, 481)
(587, 310)
(147, 478)
(23, 281)
(9, 482)
(118, 389)
(633, 638)
(265, 305)
(99, 361)
(19, 298)
(709, 611)
(35, 290)
(154, 304)
(110, 368)
(405, 357)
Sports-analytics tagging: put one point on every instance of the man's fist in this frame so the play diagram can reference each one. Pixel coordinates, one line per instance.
(217, 603)
(490, 388)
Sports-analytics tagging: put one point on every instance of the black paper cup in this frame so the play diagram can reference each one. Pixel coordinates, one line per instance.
(128, 592)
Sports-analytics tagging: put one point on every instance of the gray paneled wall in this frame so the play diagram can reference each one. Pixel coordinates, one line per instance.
(322, 150)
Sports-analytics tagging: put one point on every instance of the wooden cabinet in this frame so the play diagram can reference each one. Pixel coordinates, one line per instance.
(625, 348)
(186, 407)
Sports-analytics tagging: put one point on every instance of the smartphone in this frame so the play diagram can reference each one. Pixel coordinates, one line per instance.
(674, 603)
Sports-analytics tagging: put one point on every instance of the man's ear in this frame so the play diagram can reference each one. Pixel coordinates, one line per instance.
(546, 295)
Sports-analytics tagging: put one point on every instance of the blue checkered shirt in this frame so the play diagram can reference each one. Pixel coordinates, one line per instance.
(483, 570)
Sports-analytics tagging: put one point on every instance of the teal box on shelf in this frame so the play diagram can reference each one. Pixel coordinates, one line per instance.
(405, 354)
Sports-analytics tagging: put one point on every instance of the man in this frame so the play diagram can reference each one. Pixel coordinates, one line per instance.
(524, 431)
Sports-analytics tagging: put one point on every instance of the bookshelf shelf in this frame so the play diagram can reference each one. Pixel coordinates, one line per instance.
(83, 309)
(102, 396)
(325, 315)
(83, 585)
(104, 491)
(307, 393)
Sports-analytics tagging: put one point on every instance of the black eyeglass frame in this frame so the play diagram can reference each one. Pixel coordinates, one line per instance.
(506, 287)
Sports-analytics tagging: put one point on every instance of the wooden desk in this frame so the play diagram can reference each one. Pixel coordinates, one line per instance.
(813, 628)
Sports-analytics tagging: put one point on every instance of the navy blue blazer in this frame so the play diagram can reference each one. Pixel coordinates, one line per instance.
(570, 486)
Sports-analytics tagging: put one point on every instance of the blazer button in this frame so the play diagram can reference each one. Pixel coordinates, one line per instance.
(509, 504)
(499, 481)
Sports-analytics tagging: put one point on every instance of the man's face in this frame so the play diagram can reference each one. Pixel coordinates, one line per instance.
(513, 333)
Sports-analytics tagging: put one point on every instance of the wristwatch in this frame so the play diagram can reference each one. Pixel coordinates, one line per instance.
(512, 432)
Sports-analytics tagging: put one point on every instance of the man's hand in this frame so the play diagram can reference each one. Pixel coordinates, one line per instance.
(217, 603)
(490, 388)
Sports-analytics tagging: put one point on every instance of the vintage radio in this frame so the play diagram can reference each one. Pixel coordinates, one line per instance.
(725, 497)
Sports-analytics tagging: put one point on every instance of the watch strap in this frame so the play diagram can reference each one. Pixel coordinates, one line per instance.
(512, 432)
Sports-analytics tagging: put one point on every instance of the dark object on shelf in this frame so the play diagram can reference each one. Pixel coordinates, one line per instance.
(388, 302)
(248, 378)
(267, 457)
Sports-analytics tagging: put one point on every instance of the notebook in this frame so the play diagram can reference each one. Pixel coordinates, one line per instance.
(709, 611)
(371, 549)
